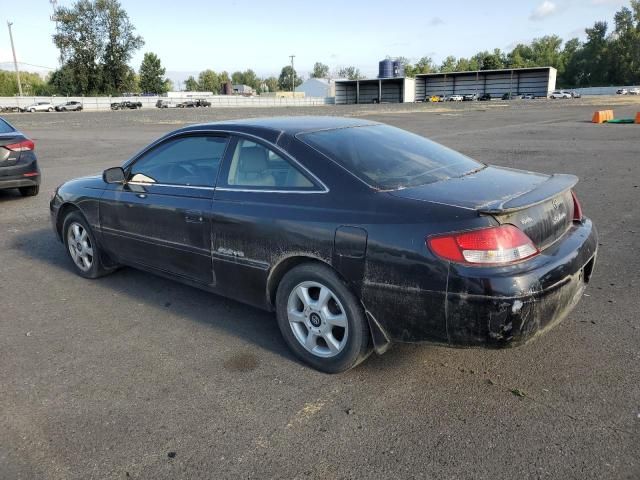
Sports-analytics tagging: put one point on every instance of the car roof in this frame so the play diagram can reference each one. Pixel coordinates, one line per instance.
(291, 125)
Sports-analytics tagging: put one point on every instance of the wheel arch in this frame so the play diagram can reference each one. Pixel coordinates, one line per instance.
(64, 210)
(285, 265)
(379, 337)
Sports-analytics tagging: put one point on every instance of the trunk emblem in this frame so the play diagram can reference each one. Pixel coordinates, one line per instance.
(555, 204)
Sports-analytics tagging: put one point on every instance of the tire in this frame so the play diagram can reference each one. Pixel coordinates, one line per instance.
(72, 230)
(29, 191)
(335, 331)
(50, 109)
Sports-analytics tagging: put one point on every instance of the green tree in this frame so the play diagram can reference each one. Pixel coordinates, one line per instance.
(320, 70)
(120, 44)
(191, 84)
(271, 84)
(449, 64)
(152, 74)
(209, 81)
(286, 76)
(96, 40)
(352, 73)
(424, 65)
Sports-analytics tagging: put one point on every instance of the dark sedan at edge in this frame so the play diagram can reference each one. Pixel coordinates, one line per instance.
(18, 163)
(355, 233)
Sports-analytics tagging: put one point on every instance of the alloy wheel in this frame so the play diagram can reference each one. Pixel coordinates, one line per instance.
(317, 319)
(80, 247)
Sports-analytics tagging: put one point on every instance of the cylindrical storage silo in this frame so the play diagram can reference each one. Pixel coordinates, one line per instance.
(385, 69)
(398, 69)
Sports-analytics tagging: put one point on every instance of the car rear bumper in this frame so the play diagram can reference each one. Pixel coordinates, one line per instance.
(509, 310)
(490, 307)
(20, 175)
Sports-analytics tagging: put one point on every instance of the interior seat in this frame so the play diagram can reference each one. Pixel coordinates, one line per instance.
(253, 168)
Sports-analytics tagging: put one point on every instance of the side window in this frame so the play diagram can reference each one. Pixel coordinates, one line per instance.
(254, 165)
(190, 160)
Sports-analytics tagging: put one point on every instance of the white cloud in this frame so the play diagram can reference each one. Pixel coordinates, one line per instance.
(543, 10)
(435, 21)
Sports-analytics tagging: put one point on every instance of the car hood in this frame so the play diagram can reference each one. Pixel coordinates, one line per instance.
(479, 189)
(90, 181)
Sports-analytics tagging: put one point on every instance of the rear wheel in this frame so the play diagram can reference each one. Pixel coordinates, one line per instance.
(82, 247)
(321, 320)
(29, 191)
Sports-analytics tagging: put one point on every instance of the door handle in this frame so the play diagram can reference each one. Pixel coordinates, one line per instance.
(194, 216)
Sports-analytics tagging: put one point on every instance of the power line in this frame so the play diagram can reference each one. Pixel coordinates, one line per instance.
(29, 64)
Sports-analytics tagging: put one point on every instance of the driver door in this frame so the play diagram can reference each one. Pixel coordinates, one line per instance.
(161, 217)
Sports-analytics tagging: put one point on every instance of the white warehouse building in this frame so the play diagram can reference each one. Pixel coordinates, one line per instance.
(317, 87)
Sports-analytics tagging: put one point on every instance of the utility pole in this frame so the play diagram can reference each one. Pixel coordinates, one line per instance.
(293, 76)
(15, 60)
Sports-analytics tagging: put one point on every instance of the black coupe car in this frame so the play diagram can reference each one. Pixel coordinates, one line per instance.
(357, 234)
(18, 163)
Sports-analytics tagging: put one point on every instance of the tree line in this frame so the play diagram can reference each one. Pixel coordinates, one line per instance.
(97, 40)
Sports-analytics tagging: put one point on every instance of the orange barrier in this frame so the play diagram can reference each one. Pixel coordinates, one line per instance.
(602, 116)
(638, 118)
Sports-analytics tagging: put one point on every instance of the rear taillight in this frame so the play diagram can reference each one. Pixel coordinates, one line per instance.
(23, 146)
(577, 208)
(494, 245)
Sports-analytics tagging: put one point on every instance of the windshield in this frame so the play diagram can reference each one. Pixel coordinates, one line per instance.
(389, 158)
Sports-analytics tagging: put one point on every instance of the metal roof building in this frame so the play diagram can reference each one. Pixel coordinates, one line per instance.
(539, 81)
(375, 90)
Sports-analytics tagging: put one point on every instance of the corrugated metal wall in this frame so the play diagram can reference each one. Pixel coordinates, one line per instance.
(392, 91)
(536, 82)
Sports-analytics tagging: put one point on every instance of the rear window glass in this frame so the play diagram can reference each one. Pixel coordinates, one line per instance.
(5, 127)
(389, 158)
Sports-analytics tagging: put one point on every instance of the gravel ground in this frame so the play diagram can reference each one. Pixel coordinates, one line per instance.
(134, 376)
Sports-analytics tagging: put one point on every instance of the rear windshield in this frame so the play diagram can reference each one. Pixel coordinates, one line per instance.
(5, 127)
(389, 158)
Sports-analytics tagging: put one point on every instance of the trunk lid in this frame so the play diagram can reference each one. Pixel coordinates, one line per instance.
(540, 205)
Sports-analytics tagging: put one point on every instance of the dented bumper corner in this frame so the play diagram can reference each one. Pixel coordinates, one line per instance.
(515, 305)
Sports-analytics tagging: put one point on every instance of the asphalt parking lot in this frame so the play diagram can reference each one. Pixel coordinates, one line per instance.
(134, 376)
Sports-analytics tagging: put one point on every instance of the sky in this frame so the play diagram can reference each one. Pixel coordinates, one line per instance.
(193, 35)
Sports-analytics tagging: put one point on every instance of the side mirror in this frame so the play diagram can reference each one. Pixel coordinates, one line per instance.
(113, 175)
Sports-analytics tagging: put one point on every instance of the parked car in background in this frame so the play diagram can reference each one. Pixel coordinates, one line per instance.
(201, 102)
(435, 98)
(455, 98)
(69, 107)
(622, 91)
(559, 94)
(126, 105)
(575, 94)
(18, 163)
(528, 96)
(163, 103)
(510, 96)
(470, 97)
(485, 97)
(355, 233)
(39, 107)
(187, 104)
(634, 91)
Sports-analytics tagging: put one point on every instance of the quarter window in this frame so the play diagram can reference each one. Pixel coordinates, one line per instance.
(253, 165)
(191, 161)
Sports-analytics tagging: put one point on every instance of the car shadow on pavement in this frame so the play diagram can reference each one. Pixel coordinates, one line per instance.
(248, 323)
(10, 195)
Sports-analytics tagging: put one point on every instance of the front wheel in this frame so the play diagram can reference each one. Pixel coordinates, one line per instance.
(321, 320)
(82, 247)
